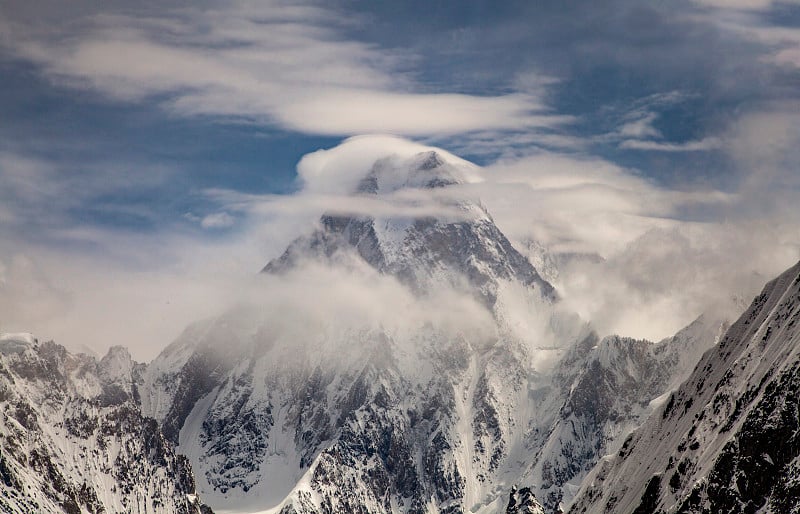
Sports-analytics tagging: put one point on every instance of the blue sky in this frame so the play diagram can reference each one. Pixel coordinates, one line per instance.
(127, 129)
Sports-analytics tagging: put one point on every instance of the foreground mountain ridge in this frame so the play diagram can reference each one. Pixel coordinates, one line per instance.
(73, 439)
(728, 439)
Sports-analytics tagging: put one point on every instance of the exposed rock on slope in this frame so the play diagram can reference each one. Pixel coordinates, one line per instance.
(610, 387)
(523, 501)
(73, 439)
(728, 440)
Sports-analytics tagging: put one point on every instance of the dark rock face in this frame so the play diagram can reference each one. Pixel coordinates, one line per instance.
(194, 382)
(755, 467)
(476, 250)
(70, 426)
(523, 501)
(727, 439)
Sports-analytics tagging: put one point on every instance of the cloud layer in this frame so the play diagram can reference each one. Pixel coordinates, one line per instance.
(659, 267)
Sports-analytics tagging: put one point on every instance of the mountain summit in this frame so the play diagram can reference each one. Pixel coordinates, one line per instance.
(462, 244)
(410, 412)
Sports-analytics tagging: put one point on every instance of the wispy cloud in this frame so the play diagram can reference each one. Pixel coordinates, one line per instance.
(39, 195)
(637, 130)
(640, 126)
(744, 5)
(702, 145)
(748, 19)
(266, 62)
(217, 220)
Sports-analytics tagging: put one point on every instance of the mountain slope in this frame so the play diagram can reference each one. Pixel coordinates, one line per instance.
(72, 437)
(728, 440)
(609, 388)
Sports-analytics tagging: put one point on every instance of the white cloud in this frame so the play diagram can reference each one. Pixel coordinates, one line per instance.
(663, 279)
(700, 145)
(339, 169)
(27, 294)
(351, 296)
(36, 193)
(659, 269)
(355, 112)
(268, 63)
(744, 18)
(640, 127)
(583, 204)
(140, 291)
(218, 220)
(636, 128)
(737, 4)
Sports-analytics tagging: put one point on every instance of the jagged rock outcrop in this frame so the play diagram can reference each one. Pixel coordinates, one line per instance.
(73, 439)
(523, 501)
(610, 387)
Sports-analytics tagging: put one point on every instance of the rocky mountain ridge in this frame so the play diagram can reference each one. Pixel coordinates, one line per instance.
(727, 439)
(73, 439)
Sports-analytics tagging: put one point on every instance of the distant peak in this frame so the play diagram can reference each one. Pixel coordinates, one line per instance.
(117, 352)
(117, 364)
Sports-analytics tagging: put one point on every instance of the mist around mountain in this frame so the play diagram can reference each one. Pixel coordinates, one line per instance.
(403, 354)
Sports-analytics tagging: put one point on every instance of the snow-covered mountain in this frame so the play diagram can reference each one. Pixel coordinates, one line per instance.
(469, 391)
(728, 440)
(405, 357)
(73, 439)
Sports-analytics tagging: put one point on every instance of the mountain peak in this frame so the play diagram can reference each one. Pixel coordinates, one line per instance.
(425, 251)
(390, 160)
(427, 169)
